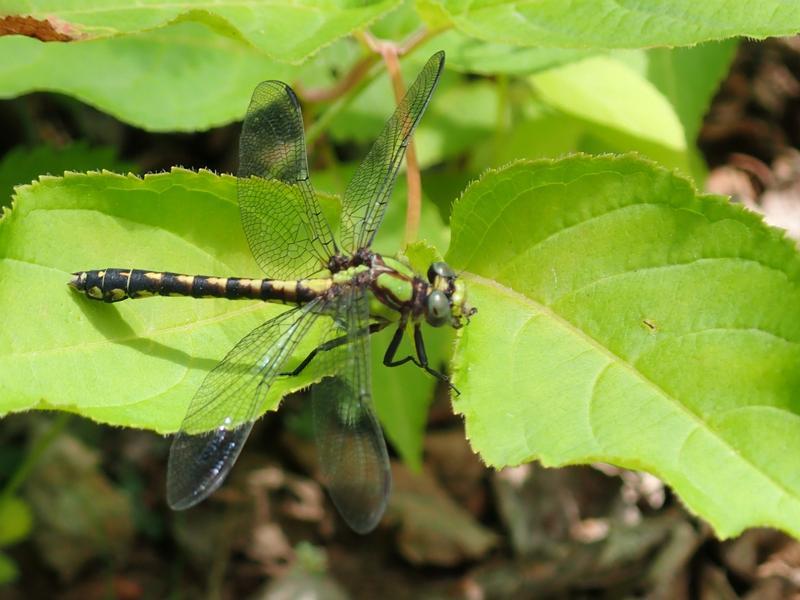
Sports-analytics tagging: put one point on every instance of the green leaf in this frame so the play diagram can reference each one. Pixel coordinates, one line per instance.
(651, 102)
(16, 521)
(288, 32)
(689, 78)
(136, 363)
(179, 78)
(461, 114)
(470, 55)
(618, 105)
(541, 132)
(403, 394)
(8, 569)
(608, 24)
(624, 318)
(327, 68)
(23, 165)
(421, 255)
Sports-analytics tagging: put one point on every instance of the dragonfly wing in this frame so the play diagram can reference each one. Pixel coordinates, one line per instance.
(222, 412)
(371, 187)
(282, 220)
(352, 452)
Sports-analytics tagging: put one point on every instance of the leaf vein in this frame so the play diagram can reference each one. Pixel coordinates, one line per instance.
(658, 390)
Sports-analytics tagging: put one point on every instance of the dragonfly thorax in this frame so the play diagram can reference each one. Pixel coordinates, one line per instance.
(398, 290)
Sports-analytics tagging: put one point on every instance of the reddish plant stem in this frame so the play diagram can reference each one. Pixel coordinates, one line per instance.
(390, 53)
(350, 84)
(345, 84)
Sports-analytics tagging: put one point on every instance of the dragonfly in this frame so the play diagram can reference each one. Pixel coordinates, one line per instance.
(339, 280)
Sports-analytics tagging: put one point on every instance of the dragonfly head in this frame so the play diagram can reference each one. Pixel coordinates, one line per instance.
(447, 300)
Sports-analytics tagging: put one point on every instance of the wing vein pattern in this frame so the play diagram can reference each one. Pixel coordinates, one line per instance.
(352, 451)
(282, 219)
(370, 189)
(222, 412)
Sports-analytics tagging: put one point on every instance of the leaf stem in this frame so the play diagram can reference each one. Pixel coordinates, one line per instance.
(321, 124)
(363, 66)
(361, 75)
(344, 85)
(390, 53)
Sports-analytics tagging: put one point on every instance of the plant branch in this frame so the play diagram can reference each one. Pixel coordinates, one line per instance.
(390, 53)
(344, 85)
(321, 124)
(363, 73)
(363, 66)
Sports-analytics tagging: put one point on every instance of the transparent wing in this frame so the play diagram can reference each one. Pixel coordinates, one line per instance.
(222, 412)
(368, 192)
(285, 228)
(352, 452)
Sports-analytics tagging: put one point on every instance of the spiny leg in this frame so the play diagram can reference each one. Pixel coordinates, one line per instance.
(391, 350)
(329, 345)
(422, 356)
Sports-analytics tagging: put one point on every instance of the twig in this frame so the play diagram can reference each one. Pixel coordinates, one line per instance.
(390, 53)
(321, 124)
(344, 85)
(362, 73)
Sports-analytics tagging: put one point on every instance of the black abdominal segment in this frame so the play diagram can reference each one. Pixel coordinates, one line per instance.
(113, 285)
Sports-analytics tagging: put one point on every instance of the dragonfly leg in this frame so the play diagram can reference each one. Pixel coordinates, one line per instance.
(329, 345)
(419, 344)
(391, 350)
(422, 357)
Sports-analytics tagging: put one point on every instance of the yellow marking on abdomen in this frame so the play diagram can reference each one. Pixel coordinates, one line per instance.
(317, 285)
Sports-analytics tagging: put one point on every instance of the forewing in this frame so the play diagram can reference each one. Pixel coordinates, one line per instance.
(222, 412)
(352, 452)
(368, 192)
(285, 228)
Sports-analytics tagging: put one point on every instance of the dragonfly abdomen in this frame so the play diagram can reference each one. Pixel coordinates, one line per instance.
(114, 285)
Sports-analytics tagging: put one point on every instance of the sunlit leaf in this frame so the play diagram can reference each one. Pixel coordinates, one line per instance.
(689, 78)
(136, 363)
(183, 77)
(606, 24)
(624, 318)
(607, 93)
(472, 55)
(285, 31)
(182, 222)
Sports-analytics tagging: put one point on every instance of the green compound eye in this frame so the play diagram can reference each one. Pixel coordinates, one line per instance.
(438, 312)
(440, 269)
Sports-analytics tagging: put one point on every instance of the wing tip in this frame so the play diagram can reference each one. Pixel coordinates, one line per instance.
(439, 57)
